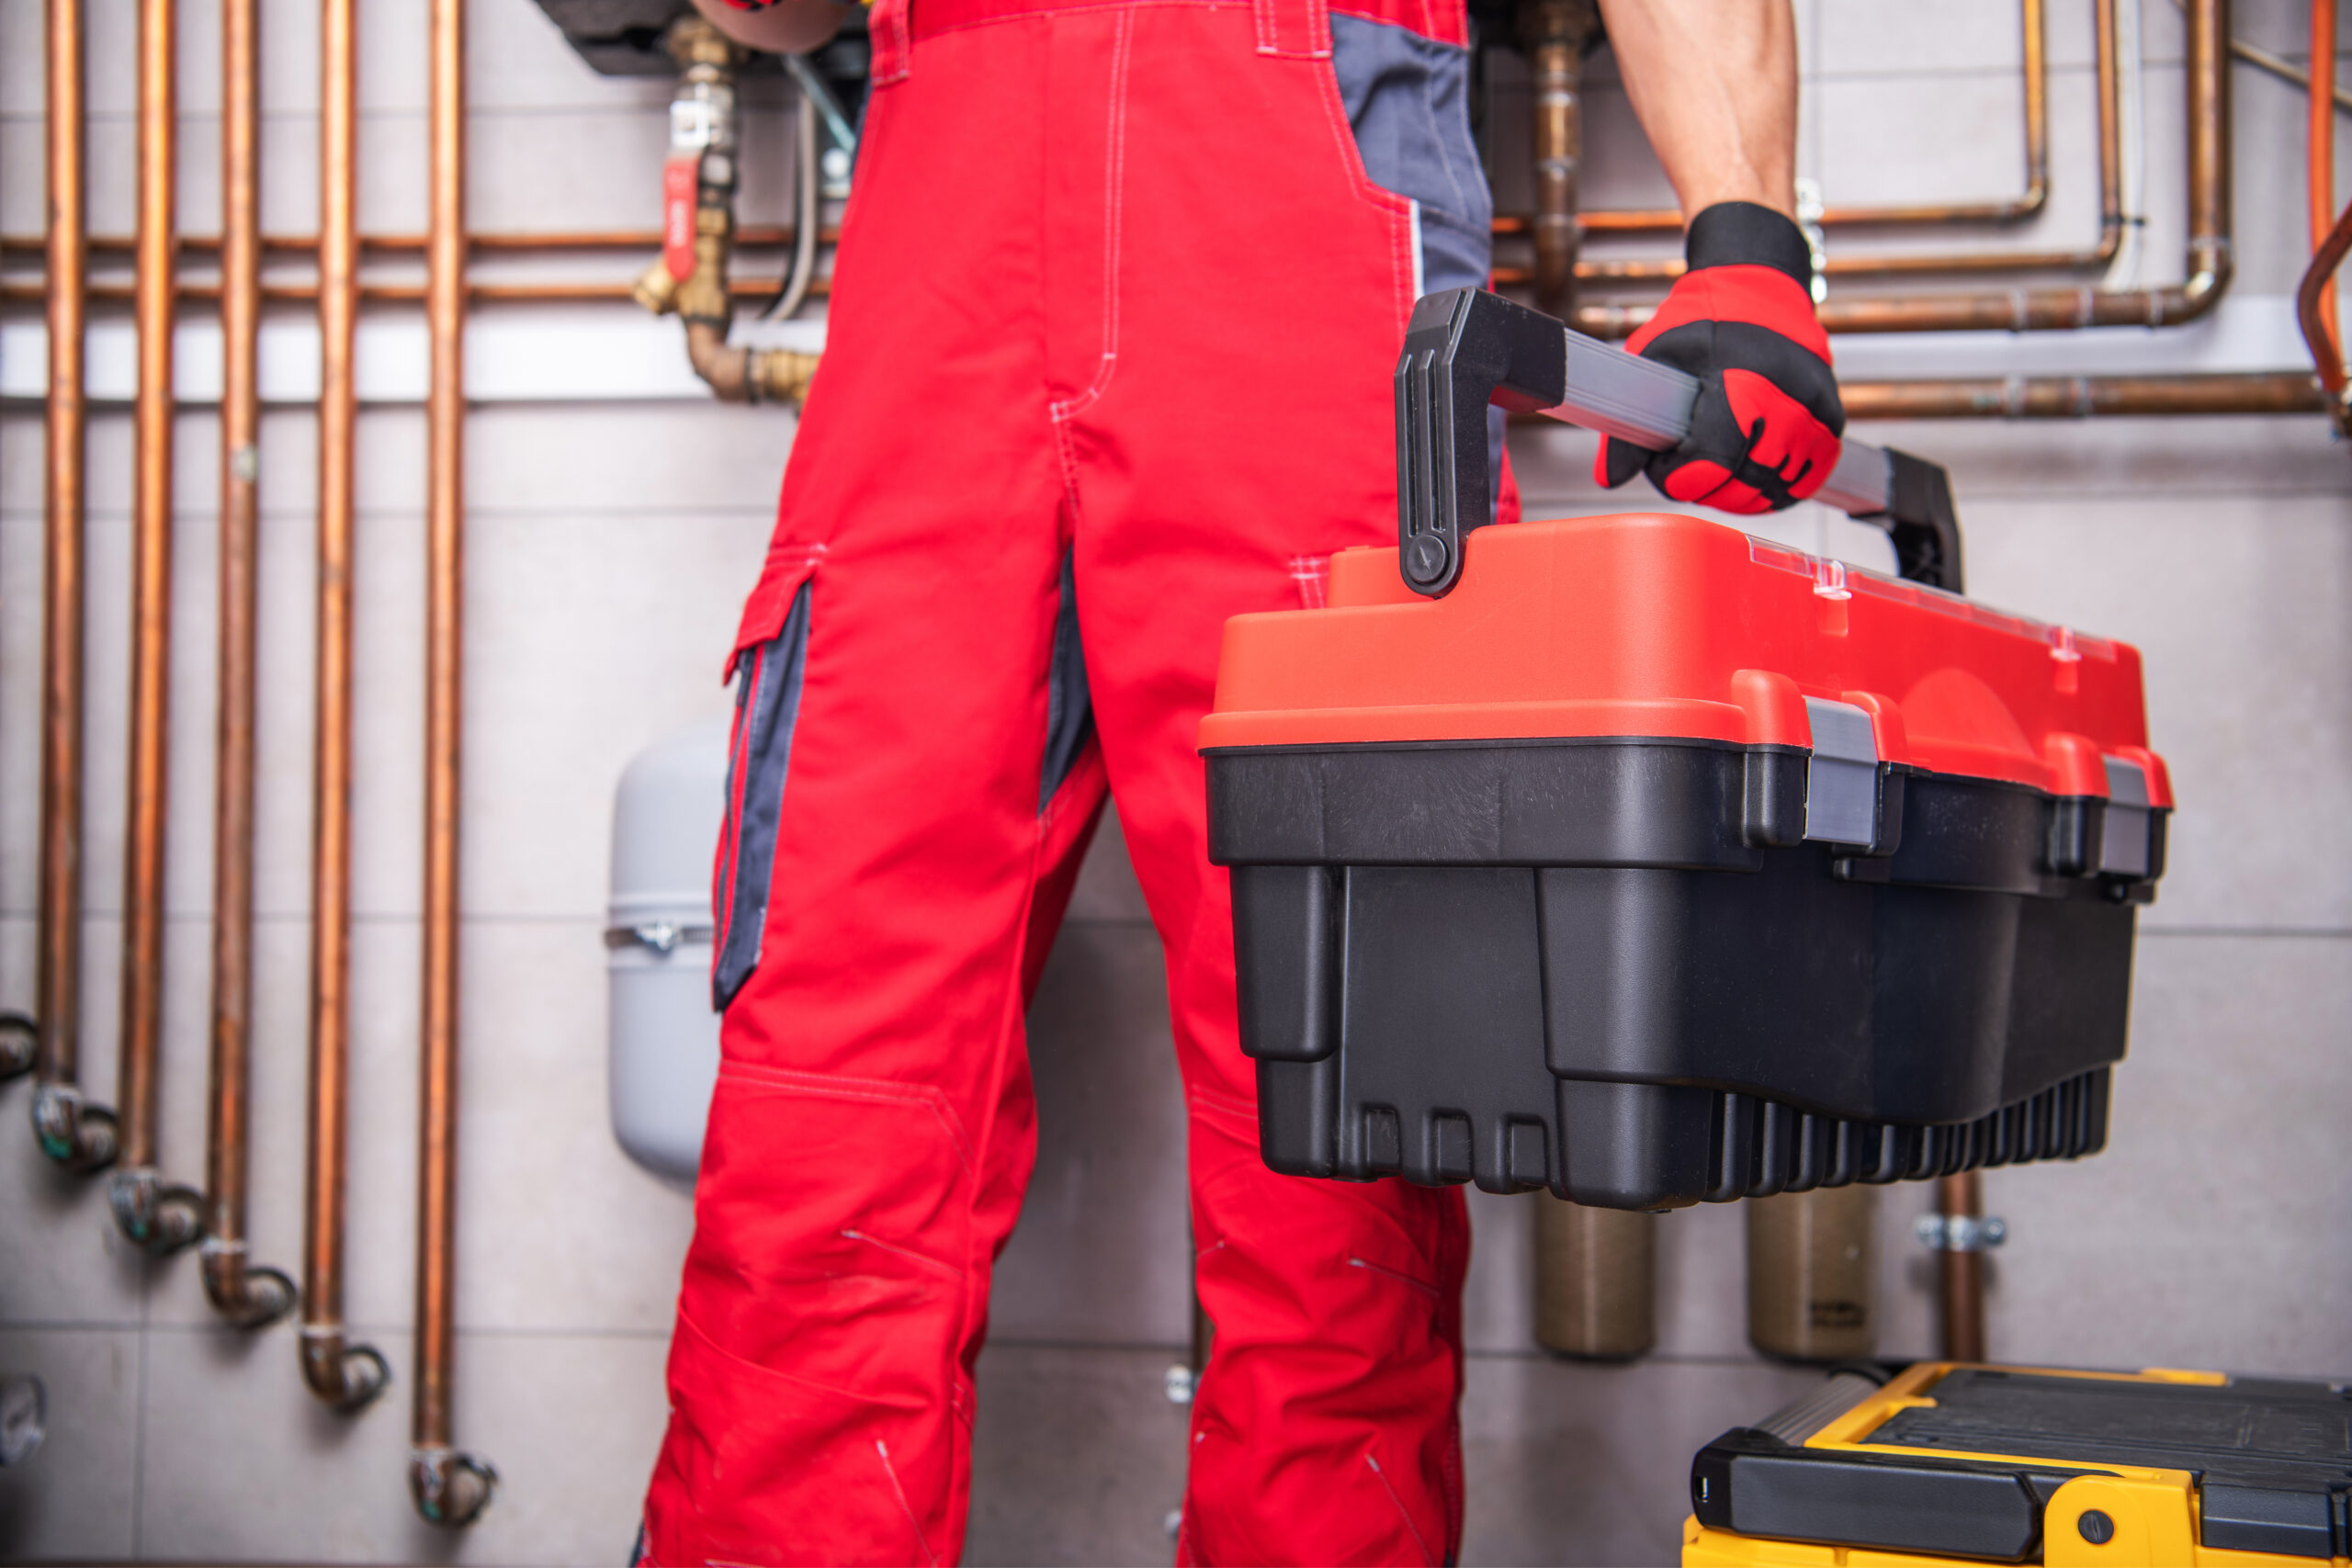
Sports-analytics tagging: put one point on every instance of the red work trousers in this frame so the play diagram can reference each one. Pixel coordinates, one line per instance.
(1109, 359)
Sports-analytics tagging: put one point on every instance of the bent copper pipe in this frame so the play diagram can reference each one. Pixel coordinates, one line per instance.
(72, 1132)
(703, 299)
(448, 1487)
(2311, 297)
(2086, 397)
(343, 1375)
(2210, 264)
(246, 1294)
(2028, 203)
(159, 1215)
(1664, 269)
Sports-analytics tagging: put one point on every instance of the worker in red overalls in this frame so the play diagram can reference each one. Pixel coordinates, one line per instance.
(1119, 295)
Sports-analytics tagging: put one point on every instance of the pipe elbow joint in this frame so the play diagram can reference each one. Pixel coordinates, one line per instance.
(246, 1296)
(76, 1134)
(347, 1377)
(161, 1216)
(450, 1488)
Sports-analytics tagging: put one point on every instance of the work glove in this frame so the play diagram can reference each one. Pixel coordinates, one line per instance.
(1764, 434)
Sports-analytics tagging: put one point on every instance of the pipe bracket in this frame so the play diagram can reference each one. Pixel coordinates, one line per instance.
(19, 1045)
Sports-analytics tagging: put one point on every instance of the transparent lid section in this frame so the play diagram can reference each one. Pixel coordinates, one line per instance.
(1835, 578)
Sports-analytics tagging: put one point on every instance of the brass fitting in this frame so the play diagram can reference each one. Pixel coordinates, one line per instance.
(747, 375)
(693, 41)
(655, 289)
(703, 296)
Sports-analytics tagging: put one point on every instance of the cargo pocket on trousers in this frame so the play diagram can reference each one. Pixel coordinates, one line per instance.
(768, 707)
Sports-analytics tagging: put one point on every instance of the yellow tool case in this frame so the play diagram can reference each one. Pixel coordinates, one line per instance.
(1944, 1463)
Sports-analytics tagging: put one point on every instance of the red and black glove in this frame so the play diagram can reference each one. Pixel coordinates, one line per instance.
(1765, 431)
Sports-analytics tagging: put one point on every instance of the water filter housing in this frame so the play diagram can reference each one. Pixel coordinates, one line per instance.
(664, 1035)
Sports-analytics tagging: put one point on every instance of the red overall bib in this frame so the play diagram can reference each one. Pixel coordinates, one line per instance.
(1109, 361)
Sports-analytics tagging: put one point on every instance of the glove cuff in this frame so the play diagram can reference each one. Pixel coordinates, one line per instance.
(1734, 233)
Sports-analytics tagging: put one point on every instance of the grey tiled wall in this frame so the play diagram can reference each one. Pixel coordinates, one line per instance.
(608, 544)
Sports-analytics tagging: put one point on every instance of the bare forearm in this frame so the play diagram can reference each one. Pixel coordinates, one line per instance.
(1715, 84)
(788, 27)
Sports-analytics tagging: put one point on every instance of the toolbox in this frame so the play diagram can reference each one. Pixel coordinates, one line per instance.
(1943, 1462)
(1651, 862)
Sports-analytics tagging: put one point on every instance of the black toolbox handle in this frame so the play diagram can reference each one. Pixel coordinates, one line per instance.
(1465, 348)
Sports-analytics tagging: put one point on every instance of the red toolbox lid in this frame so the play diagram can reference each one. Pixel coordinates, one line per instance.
(1662, 625)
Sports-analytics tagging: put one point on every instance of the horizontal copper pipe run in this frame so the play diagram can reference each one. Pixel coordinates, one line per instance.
(2084, 397)
(766, 236)
(566, 292)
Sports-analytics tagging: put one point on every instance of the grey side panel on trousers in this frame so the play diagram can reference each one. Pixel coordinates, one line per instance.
(1070, 710)
(1407, 100)
(767, 699)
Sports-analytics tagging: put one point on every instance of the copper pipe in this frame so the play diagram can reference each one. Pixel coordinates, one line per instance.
(548, 292)
(1554, 34)
(346, 1376)
(704, 300)
(2326, 349)
(71, 1131)
(448, 1487)
(158, 1216)
(1664, 269)
(759, 236)
(1959, 1271)
(2320, 135)
(747, 375)
(2029, 202)
(2083, 397)
(247, 1295)
(2060, 309)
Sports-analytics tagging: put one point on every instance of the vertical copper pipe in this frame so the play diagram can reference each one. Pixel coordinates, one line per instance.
(247, 1296)
(72, 1132)
(346, 1376)
(1554, 34)
(2320, 134)
(1959, 1271)
(150, 1212)
(447, 1486)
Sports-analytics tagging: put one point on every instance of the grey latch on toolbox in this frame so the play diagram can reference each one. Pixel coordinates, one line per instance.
(1842, 784)
(2124, 846)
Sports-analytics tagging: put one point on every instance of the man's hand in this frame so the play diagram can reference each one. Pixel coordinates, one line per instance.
(776, 26)
(1764, 434)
